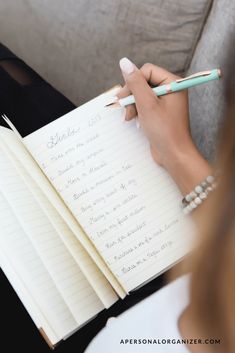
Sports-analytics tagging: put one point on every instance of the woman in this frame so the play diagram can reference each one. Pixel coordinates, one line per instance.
(199, 313)
(166, 314)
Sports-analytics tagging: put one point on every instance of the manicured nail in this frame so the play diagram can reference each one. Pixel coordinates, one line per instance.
(123, 117)
(126, 66)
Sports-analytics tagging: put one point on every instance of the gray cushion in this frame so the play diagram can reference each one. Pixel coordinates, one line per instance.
(207, 102)
(76, 44)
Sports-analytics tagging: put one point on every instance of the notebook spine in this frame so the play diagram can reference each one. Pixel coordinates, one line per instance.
(46, 338)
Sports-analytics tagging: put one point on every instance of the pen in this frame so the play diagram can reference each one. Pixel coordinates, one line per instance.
(175, 86)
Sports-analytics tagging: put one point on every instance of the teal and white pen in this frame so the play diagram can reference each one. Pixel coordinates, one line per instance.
(175, 86)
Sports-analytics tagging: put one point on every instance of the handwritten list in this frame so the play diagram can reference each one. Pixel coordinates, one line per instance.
(128, 206)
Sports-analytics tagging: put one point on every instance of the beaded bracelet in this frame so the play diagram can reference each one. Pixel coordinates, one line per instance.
(199, 194)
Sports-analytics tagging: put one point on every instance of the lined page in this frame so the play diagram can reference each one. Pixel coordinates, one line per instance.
(104, 287)
(31, 271)
(74, 288)
(26, 298)
(94, 276)
(127, 204)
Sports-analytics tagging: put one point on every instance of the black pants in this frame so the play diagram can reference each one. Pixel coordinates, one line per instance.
(30, 103)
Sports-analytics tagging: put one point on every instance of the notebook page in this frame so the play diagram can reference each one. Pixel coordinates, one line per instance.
(19, 151)
(127, 204)
(30, 270)
(28, 301)
(69, 280)
(94, 276)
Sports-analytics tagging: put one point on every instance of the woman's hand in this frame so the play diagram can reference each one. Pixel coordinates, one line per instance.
(165, 122)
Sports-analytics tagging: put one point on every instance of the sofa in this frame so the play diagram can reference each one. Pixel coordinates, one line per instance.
(76, 45)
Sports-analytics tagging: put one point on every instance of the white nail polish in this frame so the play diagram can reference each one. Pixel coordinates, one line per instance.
(126, 66)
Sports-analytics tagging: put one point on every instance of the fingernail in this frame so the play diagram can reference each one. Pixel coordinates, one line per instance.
(123, 116)
(126, 66)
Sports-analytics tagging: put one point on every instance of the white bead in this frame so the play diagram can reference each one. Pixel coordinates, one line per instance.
(188, 198)
(193, 194)
(193, 205)
(198, 189)
(210, 179)
(204, 184)
(198, 201)
(203, 196)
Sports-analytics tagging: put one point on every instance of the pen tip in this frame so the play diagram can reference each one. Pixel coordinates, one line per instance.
(111, 101)
(112, 105)
(109, 104)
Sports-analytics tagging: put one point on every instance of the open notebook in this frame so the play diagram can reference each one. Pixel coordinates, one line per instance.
(86, 216)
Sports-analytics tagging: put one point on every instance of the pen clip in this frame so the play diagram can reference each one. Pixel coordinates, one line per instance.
(199, 74)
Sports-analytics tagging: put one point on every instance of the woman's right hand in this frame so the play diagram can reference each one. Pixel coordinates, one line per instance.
(165, 122)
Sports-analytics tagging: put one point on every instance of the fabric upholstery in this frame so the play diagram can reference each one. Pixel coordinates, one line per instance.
(76, 44)
(207, 103)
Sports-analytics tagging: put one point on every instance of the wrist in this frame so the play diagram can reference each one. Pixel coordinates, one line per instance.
(188, 168)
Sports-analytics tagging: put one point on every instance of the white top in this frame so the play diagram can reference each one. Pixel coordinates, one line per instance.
(155, 317)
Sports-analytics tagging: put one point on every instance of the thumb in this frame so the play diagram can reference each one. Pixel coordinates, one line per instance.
(137, 84)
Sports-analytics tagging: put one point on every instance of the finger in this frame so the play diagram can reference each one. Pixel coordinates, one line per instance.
(130, 109)
(156, 75)
(123, 92)
(131, 112)
(137, 84)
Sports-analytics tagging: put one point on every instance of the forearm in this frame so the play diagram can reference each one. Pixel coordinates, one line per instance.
(188, 168)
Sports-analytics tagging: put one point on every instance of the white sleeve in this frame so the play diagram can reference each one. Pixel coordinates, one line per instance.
(154, 318)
